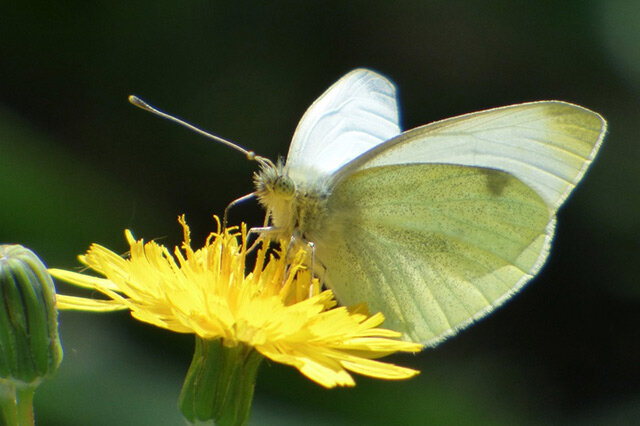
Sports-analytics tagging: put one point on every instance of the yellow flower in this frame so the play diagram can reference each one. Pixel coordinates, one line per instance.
(278, 308)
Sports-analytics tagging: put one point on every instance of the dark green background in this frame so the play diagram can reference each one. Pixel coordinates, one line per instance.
(78, 164)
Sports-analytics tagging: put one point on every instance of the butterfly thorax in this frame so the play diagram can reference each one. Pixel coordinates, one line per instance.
(295, 209)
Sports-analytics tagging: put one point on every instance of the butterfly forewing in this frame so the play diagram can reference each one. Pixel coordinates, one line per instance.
(548, 145)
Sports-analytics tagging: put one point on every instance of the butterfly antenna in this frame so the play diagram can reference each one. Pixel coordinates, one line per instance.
(249, 154)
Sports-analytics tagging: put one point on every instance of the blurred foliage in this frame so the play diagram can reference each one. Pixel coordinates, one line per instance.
(78, 165)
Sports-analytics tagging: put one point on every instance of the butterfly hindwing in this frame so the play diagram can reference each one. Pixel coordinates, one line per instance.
(431, 246)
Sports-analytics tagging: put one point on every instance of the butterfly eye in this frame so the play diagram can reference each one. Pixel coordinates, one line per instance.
(284, 186)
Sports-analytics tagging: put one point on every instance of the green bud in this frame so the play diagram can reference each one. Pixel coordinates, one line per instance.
(30, 349)
(219, 386)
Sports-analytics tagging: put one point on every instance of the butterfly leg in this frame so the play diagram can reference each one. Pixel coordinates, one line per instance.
(234, 203)
(263, 234)
(293, 243)
(312, 246)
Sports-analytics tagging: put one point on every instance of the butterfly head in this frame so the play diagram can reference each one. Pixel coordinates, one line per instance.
(276, 192)
(271, 181)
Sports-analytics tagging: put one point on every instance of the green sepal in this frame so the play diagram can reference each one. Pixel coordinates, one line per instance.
(219, 386)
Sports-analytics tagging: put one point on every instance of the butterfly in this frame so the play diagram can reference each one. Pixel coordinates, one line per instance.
(436, 226)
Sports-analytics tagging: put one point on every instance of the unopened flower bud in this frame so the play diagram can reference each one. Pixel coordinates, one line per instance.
(30, 348)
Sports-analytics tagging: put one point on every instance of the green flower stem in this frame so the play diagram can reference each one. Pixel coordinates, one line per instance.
(219, 385)
(16, 404)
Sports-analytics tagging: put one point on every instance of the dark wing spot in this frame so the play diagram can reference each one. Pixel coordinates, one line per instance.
(496, 181)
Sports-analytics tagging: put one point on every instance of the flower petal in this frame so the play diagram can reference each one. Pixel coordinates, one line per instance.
(90, 305)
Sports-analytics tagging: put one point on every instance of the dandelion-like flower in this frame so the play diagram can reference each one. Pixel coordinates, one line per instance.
(277, 310)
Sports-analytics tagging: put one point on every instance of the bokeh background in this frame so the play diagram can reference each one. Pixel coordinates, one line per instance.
(78, 164)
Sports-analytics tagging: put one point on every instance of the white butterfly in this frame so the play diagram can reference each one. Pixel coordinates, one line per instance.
(436, 226)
